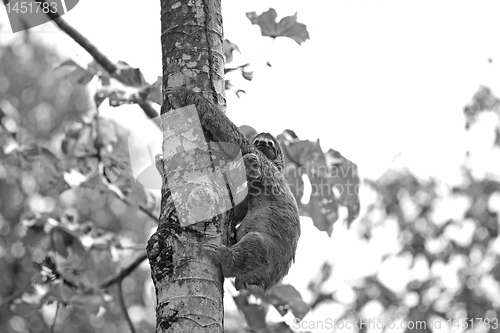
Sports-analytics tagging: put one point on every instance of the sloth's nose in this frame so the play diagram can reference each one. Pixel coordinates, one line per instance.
(264, 142)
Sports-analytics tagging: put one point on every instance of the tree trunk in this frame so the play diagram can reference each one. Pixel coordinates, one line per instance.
(189, 286)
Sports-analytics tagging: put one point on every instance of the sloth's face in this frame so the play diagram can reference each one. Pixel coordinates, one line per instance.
(266, 145)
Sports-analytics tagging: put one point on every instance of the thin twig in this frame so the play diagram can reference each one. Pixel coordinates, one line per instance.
(14, 296)
(83, 42)
(118, 277)
(121, 300)
(148, 213)
(227, 70)
(128, 203)
(150, 111)
(55, 317)
(99, 57)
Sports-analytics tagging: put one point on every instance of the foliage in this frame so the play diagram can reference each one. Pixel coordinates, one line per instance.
(483, 101)
(333, 179)
(69, 209)
(72, 216)
(286, 27)
(447, 237)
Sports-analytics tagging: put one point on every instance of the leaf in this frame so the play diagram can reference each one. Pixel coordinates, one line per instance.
(90, 302)
(293, 171)
(229, 86)
(71, 136)
(129, 76)
(59, 292)
(107, 131)
(95, 68)
(155, 91)
(80, 76)
(334, 180)
(482, 101)
(101, 94)
(255, 314)
(68, 63)
(30, 301)
(62, 239)
(229, 48)
(125, 182)
(322, 208)
(117, 98)
(281, 327)
(104, 180)
(306, 157)
(32, 230)
(247, 75)
(26, 309)
(304, 153)
(101, 239)
(248, 131)
(344, 177)
(34, 294)
(289, 135)
(47, 170)
(285, 296)
(295, 181)
(497, 136)
(78, 140)
(287, 26)
(34, 150)
(58, 240)
(317, 282)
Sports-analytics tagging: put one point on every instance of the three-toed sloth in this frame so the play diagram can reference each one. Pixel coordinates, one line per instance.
(267, 237)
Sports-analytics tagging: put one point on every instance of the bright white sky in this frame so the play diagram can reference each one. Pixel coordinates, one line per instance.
(377, 79)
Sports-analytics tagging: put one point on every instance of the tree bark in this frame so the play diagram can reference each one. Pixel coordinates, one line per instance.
(189, 286)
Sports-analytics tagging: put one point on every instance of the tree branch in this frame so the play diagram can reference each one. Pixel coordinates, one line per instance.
(83, 42)
(55, 317)
(99, 57)
(118, 279)
(119, 276)
(148, 213)
(11, 297)
(123, 306)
